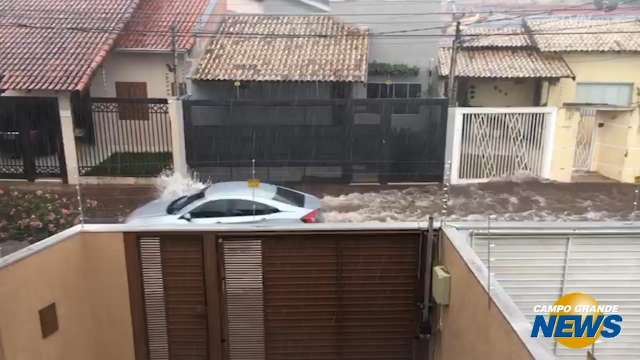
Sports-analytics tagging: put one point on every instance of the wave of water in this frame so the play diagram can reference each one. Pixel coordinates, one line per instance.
(171, 185)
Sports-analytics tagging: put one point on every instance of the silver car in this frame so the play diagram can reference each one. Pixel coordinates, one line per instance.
(231, 203)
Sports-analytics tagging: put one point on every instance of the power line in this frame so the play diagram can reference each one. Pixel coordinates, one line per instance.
(317, 14)
(133, 21)
(262, 35)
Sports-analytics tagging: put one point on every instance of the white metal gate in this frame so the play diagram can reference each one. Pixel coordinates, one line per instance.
(585, 139)
(498, 142)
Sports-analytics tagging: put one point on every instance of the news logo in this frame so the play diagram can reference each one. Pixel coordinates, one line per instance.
(576, 320)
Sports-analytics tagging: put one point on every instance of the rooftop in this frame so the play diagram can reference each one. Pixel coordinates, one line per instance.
(285, 48)
(552, 33)
(54, 45)
(151, 22)
(503, 47)
(586, 33)
(504, 63)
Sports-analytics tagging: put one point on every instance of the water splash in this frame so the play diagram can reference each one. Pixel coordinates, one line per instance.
(171, 185)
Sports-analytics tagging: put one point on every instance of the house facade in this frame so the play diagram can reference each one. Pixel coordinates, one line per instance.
(400, 66)
(106, 95)
(281, 98)
(42, 62)
(585, 67)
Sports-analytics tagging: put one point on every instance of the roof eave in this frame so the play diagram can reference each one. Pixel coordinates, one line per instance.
(148, 50)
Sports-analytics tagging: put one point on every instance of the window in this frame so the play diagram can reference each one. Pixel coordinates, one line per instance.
(231, 207)
(132, 110)
(181, 202)
(395, 91)
(289, 197)
(618, 94)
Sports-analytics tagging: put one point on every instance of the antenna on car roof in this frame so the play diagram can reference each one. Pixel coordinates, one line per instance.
(253, 188)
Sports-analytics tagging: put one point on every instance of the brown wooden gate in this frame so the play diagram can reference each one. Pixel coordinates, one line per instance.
(346, 295)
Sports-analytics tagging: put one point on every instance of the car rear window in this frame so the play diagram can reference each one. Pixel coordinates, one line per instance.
(289, 197)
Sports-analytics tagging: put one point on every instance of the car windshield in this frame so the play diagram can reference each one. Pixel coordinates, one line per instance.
(181, 202)
(289, 197)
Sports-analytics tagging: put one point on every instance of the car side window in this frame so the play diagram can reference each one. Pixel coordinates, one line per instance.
(211, 209)
(246, 208)
(227, 208)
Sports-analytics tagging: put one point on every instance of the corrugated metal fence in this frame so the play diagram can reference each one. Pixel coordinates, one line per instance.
(537, 269)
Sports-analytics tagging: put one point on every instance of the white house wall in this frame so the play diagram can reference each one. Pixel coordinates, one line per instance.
(500, 92)
(134, 67)
(121, 66)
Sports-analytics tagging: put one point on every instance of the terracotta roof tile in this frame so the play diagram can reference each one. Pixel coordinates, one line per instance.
(504, 63)
(602, 33)
(150, 24)
(285, 48)
(57, 44)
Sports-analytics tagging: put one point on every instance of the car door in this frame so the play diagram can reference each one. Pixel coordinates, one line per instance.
(231, 211)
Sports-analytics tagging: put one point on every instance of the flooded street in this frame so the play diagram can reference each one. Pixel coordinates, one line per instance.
(508, 201)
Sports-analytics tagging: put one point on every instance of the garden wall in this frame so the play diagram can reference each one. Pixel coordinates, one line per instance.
(472, 326)
(84, 274)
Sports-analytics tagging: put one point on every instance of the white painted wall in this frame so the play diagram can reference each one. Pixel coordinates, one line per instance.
(499, 92)
(135, 67)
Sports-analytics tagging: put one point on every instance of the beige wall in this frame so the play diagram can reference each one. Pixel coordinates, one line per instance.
(134, 67)
(500, 93)
(86, 277)
(617, 152)
(564, 144)
(470, 328)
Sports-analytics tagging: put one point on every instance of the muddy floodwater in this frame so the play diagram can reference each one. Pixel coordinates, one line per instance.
(507, 200)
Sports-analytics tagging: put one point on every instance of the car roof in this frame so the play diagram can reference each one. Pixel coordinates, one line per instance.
(240, 188)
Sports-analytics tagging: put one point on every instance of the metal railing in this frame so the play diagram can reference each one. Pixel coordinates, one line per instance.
(125, 137)
(497, 142)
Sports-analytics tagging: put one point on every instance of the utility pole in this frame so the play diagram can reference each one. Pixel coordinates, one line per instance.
(452, 70)
(174, 49)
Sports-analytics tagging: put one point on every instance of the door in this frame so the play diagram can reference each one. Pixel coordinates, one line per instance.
(175, 296)
(301, 295)
(585, 140)
(367, 141)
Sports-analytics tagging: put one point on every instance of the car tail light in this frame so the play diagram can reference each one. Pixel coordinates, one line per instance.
(311, 217)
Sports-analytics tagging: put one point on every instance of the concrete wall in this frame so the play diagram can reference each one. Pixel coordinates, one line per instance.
(85, 276)
(499, 92)
(617, 153)
(471, 327)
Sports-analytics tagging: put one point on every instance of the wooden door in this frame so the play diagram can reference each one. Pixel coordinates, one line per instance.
(175, 295)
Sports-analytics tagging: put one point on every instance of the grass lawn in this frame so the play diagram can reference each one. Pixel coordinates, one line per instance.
(145, 164)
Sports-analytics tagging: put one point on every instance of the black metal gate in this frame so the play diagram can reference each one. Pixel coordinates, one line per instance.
(358, 140)
(30, 138)
(126, 137)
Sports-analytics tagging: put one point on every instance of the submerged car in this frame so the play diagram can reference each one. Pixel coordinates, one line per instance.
(232, 202)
